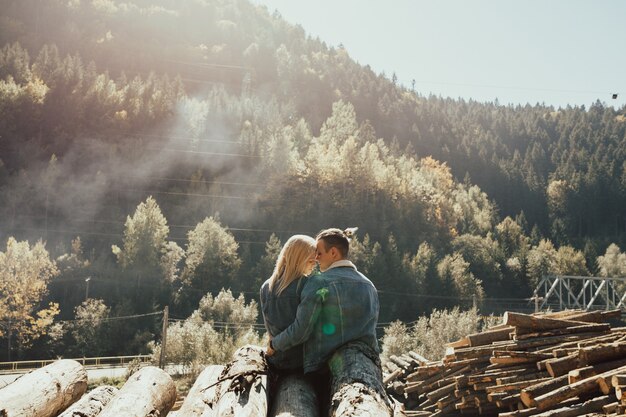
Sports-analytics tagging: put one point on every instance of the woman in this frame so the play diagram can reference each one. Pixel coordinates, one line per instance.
(280, 295)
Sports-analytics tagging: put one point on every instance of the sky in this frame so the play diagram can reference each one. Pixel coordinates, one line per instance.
(556, 52)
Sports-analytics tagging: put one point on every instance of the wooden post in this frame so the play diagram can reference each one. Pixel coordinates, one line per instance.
(164, 337)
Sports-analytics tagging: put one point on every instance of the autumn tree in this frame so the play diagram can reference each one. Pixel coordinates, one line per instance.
(613, 262)
(24, 275)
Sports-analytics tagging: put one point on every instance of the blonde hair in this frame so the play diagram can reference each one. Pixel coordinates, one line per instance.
(291, 262)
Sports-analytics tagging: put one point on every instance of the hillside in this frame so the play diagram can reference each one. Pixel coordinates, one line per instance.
(193, 137)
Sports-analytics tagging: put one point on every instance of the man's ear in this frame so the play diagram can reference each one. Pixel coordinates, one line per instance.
(334, 252)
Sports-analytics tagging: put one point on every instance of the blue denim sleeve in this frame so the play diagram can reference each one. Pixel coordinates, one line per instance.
(306, 316)
(263, 299)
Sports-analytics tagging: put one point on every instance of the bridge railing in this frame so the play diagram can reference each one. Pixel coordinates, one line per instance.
(90, 363)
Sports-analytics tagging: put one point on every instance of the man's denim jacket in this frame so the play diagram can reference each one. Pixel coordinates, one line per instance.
(336, 307)
(279, 311)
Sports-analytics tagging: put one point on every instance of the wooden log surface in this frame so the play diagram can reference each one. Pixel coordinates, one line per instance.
(294, 396)
(201, 396)
(356, 385)
(561, 366)
(587, 371)
(148, 392)
(490, 336)
(50, 390)
(244, 384)
(585, 386)
(577, 410)
(529, 394)
(92, 403)
(602, 353)
(537, 323)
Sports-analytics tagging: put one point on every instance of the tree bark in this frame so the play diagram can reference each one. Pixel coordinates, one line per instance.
(295, 396)
(537, 323)
(529, 394)
(199, 401)
(44, 392)
(149, 392)
(490, 336)
(244, 384)
(91, 403)
(588, 385)
(577, 410)
(356, 385)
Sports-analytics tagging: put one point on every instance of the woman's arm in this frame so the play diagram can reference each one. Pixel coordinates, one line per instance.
(306, 316)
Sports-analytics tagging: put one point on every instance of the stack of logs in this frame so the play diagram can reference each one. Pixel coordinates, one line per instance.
(59, 389)
(550, 365)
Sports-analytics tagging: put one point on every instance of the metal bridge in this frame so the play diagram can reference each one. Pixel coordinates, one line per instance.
(559, 292)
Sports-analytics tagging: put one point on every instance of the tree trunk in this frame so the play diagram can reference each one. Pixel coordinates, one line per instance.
(537, 323)
(91, 403)
(44, 392)
(294, 396)
(356, 385)
(591, 406)
(588, 385)
(244, 384)
(529, 394)
(149, 392)
(199, 401)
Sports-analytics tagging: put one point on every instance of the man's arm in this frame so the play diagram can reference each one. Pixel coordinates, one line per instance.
(306, 316)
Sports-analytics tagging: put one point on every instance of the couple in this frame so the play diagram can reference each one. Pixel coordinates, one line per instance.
(310, 318)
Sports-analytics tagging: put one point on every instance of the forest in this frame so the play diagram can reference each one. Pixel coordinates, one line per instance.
(153, 153)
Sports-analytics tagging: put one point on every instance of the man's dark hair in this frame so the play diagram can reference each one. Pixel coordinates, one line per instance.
(336, 238)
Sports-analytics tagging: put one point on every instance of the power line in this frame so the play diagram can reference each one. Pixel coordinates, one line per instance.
(204, 152)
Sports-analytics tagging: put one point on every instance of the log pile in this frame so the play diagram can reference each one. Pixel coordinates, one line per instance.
(557, 364)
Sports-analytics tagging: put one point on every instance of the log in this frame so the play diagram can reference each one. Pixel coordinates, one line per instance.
(523, 333)
(596, 354)
(587, 371)
(533, 410)
(588, 385)
(91, 403)
(422, 360)
(529, 394)
(576, 410)
(537, 323)
(561, 366)
(490, 336)
(201, 396)
(356, 383)
(618, 380)
(243, 385)
(294, 396)
(148, 392)
(50, 389)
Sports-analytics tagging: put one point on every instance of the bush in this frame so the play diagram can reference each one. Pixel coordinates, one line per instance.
(428, 335)
(202, 340)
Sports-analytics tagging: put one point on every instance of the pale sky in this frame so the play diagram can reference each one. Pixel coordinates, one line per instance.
(556, 52)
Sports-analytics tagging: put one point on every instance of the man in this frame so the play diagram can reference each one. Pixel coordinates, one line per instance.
(338, 307)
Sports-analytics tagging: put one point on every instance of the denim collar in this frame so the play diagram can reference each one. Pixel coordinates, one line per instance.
(343, 262)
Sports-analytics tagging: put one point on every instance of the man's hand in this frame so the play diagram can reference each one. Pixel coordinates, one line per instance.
(270, 351)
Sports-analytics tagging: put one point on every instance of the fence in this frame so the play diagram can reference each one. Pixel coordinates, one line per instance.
(89, 363)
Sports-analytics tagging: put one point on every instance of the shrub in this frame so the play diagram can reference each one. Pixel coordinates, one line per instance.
(428, 335)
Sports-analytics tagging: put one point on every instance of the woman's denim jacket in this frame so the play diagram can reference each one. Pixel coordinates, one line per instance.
(279, 311)
(337, 306)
